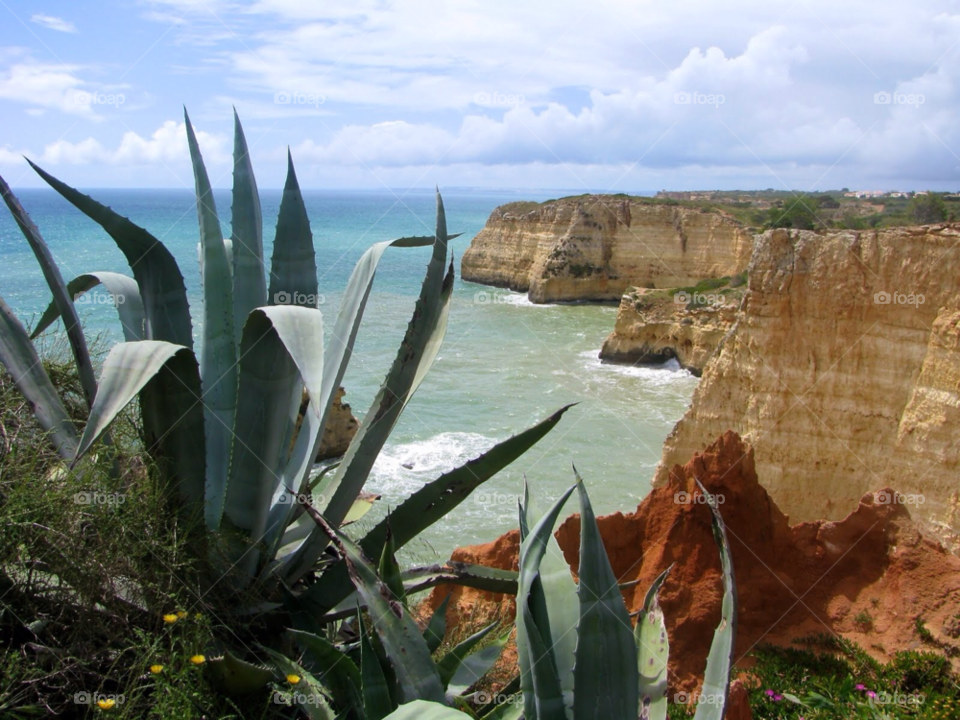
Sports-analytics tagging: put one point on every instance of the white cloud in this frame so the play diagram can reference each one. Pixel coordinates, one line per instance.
(54, 23)
(165, 147)
(45, 85)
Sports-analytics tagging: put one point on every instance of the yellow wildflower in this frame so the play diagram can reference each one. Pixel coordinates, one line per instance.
(106, 703)
(156, 669)
(170, 618)
(198, 659)
(293, 679)
(181, 614)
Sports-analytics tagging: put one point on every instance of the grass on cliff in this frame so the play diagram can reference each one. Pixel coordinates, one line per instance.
(90, 561)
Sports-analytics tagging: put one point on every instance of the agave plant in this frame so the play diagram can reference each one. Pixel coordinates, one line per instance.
(579, 656)
(367, 672)
(225, 429)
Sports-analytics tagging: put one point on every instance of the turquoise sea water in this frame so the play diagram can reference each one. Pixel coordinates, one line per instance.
(505, 363)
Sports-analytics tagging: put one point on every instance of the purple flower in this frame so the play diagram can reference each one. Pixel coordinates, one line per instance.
(860, 686)
(770, 693)
(778, 697)
(871, 693)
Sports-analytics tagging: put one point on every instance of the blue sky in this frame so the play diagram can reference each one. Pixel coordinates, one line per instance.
(619, 96)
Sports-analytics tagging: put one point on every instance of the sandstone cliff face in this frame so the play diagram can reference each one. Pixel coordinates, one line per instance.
(839, 392)
(340, 429)
(793, 580)
(652, 327)
(595, 247)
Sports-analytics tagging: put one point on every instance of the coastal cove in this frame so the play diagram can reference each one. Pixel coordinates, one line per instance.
(505, 364)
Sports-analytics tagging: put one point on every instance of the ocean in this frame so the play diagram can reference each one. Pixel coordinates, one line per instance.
(505, 363)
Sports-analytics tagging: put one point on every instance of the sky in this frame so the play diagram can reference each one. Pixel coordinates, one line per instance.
(613, 96)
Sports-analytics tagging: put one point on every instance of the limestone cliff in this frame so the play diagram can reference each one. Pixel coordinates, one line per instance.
(842, 370)
(594, 247)
(340, 429)
(653, 326)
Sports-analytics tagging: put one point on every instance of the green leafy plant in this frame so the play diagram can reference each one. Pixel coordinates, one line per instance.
(224, 428)
(579, 656)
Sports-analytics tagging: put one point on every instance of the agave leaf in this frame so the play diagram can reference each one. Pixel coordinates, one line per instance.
(313, 700)
(506, 703)
(218, 353)
(417, 352)
(293, 273)
(166, 377)
(509, 710)
(432, 502)
(560, 611)
(172, 409)
(336, 357)
(435, 499)
(333, 669)
(653, 652)
(475, 665)
(437, 626)
(20, 359)
(127, 300)
(293, 267)
(408, 654)
(389, 570)
(246, 224)
(233, 676)
(419, 349)
(282, 347)
(155, 270)
(377, 703)
(604, 674)
(127, 369)
(481, 577)
(63, 301)
(542, 692)
(424, 710)
(301, 527)
(418, 579)
(448, 665)
(716, 676)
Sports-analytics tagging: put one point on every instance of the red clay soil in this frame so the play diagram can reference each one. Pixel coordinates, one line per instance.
(793, 580)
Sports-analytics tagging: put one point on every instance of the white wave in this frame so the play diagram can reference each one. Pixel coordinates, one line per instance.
(406, 466)
(516, 299)
(668, 372)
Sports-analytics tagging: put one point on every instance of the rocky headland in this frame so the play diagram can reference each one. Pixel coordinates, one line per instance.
(654, 326)
(595, 247)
